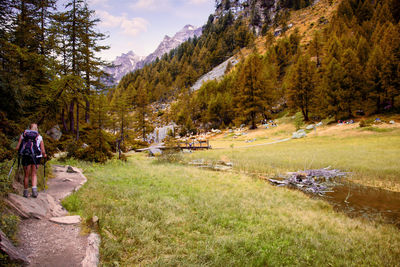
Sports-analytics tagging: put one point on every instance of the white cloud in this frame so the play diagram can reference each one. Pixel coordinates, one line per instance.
(150, 5)
(198, 2)
(102, 3)
(129, 26)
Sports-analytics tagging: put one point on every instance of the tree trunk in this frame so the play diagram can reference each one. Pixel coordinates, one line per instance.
(305, 114)
(71, 116)
(63, 120)
(87, 111)
(77, 120)
(144, 128)
(253, 120)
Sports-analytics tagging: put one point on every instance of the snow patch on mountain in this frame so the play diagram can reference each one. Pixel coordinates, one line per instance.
(123, 64)
(129, 62)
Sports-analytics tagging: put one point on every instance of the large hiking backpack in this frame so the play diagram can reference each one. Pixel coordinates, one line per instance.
(29, 144)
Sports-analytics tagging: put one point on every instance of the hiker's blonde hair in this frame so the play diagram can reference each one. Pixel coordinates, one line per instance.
(33, 127)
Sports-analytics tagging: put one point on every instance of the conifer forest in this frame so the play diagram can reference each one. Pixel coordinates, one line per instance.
(272, 84)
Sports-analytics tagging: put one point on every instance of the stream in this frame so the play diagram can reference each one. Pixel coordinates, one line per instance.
(367, 202)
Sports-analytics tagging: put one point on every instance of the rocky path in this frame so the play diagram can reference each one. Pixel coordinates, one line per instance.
(47, 235)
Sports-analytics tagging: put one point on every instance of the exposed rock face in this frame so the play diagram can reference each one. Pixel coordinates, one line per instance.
(130, 61)
(123, 64)
(41, 207)
(216, 73)
(12, 252)
(159, 134)
(170, 43)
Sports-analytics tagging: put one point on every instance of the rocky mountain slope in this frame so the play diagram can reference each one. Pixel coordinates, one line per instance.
(130, 61)
(124, 64)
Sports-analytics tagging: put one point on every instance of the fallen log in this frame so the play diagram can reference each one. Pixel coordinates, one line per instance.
(7, 247)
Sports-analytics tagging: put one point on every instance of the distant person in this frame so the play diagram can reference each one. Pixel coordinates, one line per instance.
(31, 148)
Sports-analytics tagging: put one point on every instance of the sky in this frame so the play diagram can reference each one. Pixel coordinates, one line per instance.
(140, 25)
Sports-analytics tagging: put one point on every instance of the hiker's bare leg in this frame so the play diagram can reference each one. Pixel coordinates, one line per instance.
(26, 176)
(34, 176)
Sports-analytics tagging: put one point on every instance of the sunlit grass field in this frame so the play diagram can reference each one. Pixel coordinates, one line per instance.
(372, 154)
(162, 214)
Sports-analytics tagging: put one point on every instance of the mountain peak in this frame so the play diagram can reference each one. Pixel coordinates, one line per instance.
(130, 61)
(189, 27)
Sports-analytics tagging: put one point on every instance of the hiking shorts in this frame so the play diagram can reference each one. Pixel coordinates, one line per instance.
(27, 160)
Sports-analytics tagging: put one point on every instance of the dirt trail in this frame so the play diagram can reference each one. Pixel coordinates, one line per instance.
(49, 244)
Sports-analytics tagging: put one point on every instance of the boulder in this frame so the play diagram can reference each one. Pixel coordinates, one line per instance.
(310, 127)
(392, 122)
(37, 208)
(299, 134)
(55, 133)
(68, 220)
(28, 207)
(153, 151)
(13, 253)
(319, 124)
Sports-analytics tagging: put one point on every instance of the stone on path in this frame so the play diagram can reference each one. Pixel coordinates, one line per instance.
(76, 219)
(92, 252)
(71, 170)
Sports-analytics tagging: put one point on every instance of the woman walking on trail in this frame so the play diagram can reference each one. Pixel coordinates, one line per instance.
(31, 148)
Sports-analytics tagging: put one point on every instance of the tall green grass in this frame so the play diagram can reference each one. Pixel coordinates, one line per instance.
(371, 159)
(161, 214)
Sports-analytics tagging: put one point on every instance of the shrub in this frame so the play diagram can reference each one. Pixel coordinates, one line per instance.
(72, 203)
(9, 224)
(9, 130)
(363, 123)
(94, 145)
(5, 182)
(328, 120)
(298, 120)
(172, 152)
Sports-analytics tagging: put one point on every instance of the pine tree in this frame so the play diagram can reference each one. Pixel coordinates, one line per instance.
(332, 89)
(251, 85)
(352, 81)
(142, 111)
(120, 107)
(91, 64)
(300, 85)
(316, 47)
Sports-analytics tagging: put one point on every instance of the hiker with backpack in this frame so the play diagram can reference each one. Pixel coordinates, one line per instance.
(31, 149)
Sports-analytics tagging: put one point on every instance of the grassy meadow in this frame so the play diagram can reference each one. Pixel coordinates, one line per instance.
(162, 214)
(371, 154)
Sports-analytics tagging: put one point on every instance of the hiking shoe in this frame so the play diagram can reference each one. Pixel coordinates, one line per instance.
(34, 192)
(25, 193)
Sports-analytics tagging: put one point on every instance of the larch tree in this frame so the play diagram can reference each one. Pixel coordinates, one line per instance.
(300, 86)
(250, 97)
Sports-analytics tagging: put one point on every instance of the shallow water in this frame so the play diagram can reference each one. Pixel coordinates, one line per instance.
(367, 202)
